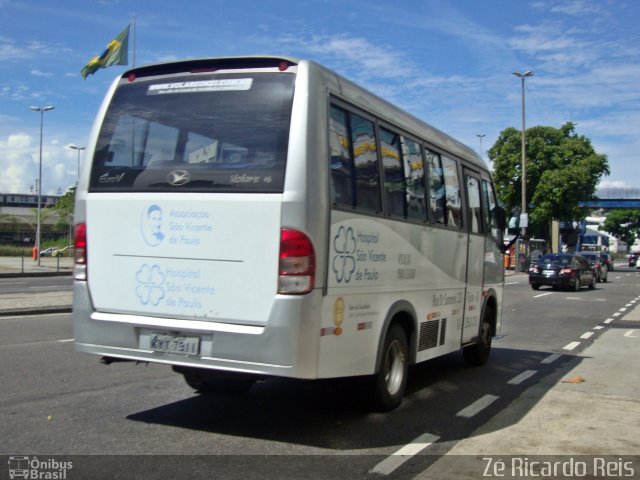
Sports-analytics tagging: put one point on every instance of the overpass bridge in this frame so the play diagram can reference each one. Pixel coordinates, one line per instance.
(610, 203)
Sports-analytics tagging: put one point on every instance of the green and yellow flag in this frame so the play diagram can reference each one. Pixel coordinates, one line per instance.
(114, 54)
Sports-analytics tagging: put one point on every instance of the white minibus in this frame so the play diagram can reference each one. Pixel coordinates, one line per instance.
(254, 217)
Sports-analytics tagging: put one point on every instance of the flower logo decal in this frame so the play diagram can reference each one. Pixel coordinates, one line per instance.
(150, 288)
(344, 263)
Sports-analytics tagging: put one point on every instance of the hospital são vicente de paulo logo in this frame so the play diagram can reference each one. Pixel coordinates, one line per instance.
(356, 255)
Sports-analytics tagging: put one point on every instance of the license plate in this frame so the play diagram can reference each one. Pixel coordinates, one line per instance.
(549, 273)
(166, 343)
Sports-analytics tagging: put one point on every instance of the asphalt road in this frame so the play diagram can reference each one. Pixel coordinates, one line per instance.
(58, 402)
(36, 284)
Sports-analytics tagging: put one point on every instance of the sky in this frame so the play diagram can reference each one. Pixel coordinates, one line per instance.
(448, 62)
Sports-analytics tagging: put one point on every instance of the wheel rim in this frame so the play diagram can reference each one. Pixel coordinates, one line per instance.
(394, 367)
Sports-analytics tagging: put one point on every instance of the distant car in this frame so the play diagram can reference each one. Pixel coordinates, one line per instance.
(600, 268)
(607, 260)
(48, 252)
(566, 270)
(633, 259)
(63, 252)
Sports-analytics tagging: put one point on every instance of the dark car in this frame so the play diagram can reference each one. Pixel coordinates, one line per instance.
(607, 260)
(600, 268)
(557, 270)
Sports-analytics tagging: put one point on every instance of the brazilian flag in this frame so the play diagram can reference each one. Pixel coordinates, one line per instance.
(114, 54)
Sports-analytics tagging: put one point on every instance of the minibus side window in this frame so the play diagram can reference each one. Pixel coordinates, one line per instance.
(393, 173)
(365, 160)
(341, 162)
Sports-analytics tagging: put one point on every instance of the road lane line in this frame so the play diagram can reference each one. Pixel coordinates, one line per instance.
(598, 327)
(608, 320)
(543, 295)
(477, 406)
(517, 380)
(512, 283)
(617, 314)
(571, 346)
(551, 358)
(389, 464)
(630, 334)
(66, 340)
(586, 335)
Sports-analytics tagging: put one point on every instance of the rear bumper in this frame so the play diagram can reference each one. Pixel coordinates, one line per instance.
(554, 281)
(283, 347)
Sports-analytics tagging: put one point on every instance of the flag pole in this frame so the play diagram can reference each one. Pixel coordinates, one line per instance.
(134, 42)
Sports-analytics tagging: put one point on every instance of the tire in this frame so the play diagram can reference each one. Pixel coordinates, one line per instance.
(384, 391)
(592, 285)
(206, 382)
(478, 354)
(576, 285)
(535, 286)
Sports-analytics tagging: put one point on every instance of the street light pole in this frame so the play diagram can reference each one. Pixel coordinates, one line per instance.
(481, 137)
(38, 230)
(522, 76)
(79, 149)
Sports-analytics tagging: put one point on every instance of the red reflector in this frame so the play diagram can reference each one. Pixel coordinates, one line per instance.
(283, 66)
(131, 77)
(80, 236)
(294, 244)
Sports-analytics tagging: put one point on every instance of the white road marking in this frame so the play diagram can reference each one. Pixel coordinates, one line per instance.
(551, 358)
(477, 406)
(389, 464)
(543, 295)
(571, 346)
(617, 314)
(598, 327)
(608, 320)
(586, 335)
(517, 380)
(630, 334)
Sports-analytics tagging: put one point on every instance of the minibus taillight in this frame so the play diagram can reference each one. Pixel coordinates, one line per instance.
(80, 252)
(297, 263)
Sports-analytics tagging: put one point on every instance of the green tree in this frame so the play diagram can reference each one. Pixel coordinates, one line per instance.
(66, 202)
(623, 224)
(562, 169)
(64, 208)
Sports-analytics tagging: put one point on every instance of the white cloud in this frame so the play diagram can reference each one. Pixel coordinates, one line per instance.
(356, 54)
(40, 73)
(20, 153)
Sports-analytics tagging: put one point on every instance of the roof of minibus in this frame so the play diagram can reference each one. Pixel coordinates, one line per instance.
(342, 86)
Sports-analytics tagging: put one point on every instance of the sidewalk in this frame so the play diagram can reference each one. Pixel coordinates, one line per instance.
(589, 407)
(34, 303)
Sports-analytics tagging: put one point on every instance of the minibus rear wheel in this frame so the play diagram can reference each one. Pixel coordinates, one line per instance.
(384, 391)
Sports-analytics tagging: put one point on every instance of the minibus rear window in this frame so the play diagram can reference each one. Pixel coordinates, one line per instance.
(197, 133)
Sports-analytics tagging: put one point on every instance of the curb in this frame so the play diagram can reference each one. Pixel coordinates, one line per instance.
(34, 274)
(35, 311)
